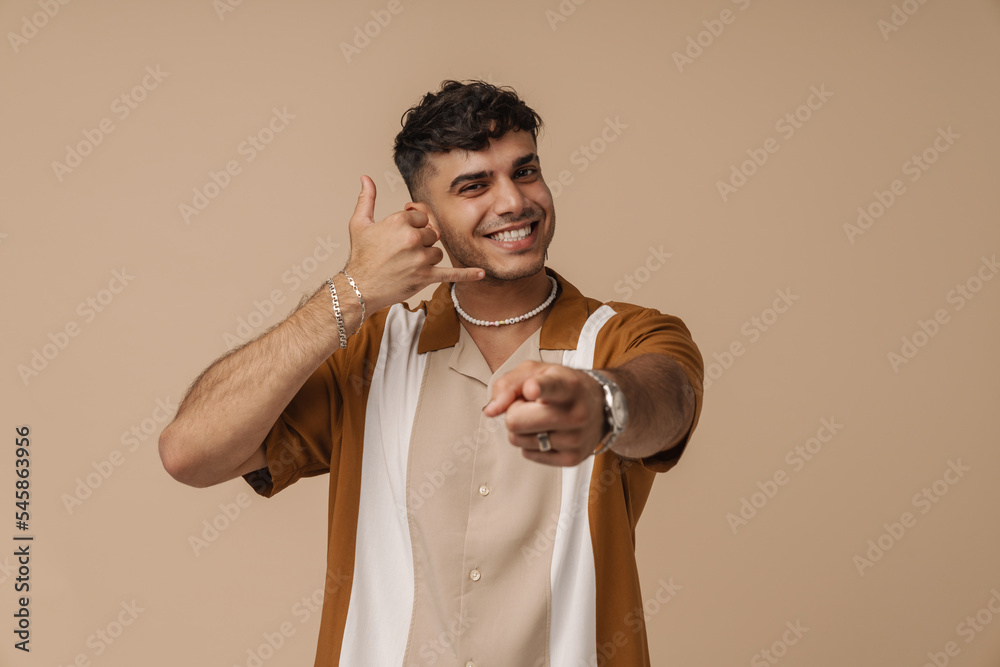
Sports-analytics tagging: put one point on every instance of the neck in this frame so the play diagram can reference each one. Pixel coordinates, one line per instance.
(499, 299)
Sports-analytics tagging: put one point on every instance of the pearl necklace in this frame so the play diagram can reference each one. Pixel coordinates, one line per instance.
(509, 320)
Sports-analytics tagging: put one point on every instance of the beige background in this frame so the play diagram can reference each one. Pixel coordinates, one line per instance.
(679, 132)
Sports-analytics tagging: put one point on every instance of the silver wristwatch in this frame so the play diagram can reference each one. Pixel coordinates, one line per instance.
(615, 410)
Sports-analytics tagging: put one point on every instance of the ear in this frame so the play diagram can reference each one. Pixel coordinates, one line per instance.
(426, 210)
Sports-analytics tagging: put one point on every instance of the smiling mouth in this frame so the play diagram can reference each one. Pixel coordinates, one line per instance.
(513, 234)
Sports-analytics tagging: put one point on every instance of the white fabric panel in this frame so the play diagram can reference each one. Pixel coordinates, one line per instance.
(573, 636)
(378, 619)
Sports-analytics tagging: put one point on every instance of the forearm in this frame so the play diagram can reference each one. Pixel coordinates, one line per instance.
(661, 405)
(231, 407)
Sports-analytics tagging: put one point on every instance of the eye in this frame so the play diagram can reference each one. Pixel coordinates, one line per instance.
(526, 172)
(472, 187)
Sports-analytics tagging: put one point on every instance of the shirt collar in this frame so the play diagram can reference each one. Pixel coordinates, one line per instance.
(560, 330)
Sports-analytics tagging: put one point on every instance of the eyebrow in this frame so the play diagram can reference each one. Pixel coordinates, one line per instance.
(475, 176)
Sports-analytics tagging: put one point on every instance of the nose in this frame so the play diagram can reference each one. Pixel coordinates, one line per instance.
(509, 200)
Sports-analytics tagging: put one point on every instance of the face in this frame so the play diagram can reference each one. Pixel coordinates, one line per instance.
(492, 207)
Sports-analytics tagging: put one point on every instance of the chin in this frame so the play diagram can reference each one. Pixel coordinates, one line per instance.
(499, 274)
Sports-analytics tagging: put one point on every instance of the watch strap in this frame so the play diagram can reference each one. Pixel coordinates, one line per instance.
(610, 434)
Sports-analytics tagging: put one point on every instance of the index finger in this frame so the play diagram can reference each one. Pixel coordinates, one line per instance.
(510, 387)
(552, 385)
(415, 217)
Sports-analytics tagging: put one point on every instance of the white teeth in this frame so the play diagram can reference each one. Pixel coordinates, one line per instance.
(515, 235)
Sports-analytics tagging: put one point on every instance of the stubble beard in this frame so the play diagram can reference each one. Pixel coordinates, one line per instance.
(466, 254)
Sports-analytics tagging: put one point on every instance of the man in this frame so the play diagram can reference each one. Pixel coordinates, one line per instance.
(484, 488)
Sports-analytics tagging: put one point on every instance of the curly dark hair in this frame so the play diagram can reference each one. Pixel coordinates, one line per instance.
(463, 115)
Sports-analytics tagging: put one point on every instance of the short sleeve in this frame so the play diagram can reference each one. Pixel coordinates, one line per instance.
(302, 439)
(635, 331)
(306, 438)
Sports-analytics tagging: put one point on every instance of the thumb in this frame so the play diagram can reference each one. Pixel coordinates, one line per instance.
(365, 210)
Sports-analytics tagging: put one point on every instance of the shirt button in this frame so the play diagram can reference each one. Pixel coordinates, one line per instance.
(475, 575)
(484, 491)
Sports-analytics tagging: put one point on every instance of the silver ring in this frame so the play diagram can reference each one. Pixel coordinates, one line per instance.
(543, 442)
